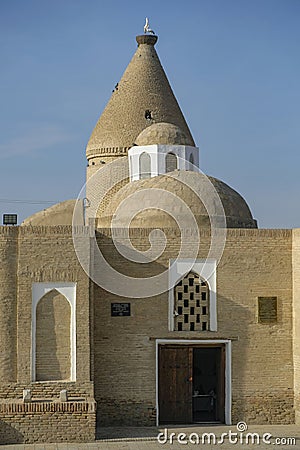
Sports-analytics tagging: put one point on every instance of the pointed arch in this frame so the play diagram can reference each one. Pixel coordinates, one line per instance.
(171, 162)
(191, 303)
(53, 337)
(145, 165)
(53, 331)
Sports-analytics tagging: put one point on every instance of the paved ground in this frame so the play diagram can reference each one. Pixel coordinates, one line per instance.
(146, 439)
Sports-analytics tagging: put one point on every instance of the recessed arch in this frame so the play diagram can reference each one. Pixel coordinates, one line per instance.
(191, 304)
(171, 162)
(61, 304)
(145, 165)
(206, 270)
(53, 337)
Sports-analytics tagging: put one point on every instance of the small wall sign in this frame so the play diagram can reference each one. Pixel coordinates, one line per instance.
(120, 309)
(267, 309)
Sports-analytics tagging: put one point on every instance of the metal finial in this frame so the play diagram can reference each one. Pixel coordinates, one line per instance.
(147, 28)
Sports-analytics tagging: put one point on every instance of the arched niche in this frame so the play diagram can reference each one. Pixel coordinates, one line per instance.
(191, 304)
(171, 162)
(53, 331)
(145, 165)
(53, 338)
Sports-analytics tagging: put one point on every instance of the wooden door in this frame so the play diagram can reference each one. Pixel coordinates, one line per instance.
(175, 384)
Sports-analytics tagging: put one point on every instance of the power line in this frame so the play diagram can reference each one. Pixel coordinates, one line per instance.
(28, 202)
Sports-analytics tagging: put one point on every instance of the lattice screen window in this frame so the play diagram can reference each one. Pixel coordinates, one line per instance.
(191, 304)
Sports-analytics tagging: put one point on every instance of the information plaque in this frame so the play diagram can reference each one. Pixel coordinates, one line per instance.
(267, 309)
(120, 309)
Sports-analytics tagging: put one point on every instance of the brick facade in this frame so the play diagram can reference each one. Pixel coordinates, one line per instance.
(47, 422)
(32, 255)
(262, 354)
(108, 364)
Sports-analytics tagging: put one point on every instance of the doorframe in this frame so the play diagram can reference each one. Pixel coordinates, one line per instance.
(203, 343)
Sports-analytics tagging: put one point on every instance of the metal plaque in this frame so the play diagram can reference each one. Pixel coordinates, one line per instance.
(267, 309)
(120, 309)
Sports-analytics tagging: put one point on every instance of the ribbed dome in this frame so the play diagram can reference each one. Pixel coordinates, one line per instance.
(142, 97)
(163, 133)
(237, 212)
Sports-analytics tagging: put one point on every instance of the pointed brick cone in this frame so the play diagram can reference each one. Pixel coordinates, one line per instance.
(142, 97)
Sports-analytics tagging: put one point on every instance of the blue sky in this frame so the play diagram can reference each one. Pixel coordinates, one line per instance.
(234, 66)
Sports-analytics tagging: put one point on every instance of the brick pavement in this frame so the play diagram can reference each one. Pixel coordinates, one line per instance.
(146, 439)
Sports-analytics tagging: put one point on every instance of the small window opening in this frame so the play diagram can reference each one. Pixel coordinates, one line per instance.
(191, 305)
(148, 115)
(171, 162)
(145, 166)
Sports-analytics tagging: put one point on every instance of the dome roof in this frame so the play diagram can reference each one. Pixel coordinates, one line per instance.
(58, 214)
(142, 97)
(237, 212)
(163, 133)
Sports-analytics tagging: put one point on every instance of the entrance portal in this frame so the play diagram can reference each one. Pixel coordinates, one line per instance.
(191, 385)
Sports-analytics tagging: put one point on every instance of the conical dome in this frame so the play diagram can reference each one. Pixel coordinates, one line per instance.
(142, 97)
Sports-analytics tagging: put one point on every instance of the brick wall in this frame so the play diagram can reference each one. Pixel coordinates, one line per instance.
(33, 255)
(296, 324)
(8, 302)
(255, 263)
(119, 352)
(46, 254)
(47, 422)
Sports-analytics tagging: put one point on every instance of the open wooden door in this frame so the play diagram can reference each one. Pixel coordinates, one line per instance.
(175, 384)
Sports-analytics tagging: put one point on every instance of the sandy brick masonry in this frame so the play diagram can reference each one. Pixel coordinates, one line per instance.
(254, 263)
(116, 355)
(47, 422)
(31, 255)
(143, 86)
(296, 321)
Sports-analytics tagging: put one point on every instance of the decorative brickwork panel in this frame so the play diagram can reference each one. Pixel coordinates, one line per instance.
(191, 304)
(47, 422)
(53, 359)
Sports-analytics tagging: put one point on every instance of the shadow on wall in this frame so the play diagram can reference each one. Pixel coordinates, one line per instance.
(9, 434)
